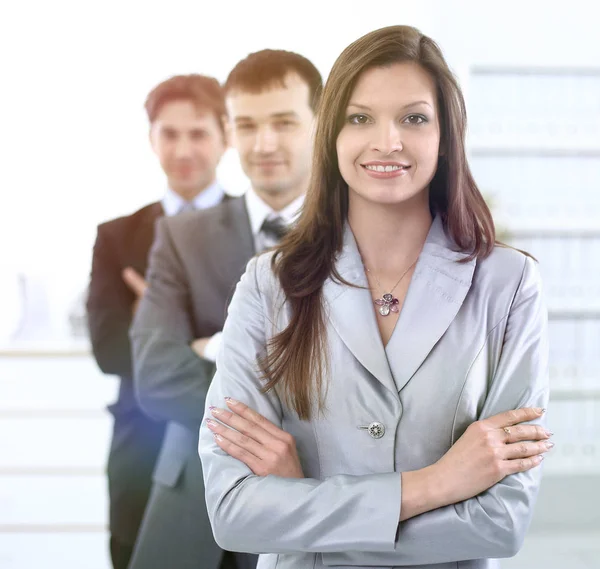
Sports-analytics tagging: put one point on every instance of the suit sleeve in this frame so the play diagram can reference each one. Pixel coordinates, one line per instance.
(494, 523)
(281, 515)
(109, 305)
(170, 379)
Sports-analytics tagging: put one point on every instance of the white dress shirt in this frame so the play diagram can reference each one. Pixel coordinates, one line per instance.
(173, 203)
(258, 212)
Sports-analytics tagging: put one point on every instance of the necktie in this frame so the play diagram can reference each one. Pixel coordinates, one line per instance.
(274, 228)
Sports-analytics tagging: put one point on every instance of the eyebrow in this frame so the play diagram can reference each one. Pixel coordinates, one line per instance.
(366, 108)
(174, 129)
(286, 114)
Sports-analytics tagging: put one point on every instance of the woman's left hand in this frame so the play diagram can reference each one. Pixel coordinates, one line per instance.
(258, 443)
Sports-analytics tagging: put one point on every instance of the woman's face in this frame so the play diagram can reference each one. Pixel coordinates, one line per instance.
(389, 145)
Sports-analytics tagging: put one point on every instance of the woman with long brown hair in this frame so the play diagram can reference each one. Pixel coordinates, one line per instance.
(380, 391)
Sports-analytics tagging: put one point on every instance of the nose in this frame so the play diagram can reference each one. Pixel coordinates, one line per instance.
(183, 147)
(266, 140)
(388, 138)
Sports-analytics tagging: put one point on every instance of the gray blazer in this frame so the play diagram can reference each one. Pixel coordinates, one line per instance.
(195, 262)
(471, 341)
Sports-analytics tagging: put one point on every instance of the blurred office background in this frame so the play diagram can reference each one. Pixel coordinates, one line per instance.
(74, 152)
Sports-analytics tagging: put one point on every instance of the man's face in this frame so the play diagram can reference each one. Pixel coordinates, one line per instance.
(189, 144)
(273, 134)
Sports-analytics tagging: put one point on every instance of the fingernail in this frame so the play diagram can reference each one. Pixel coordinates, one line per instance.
(230, 401)
(211, 423)
(549, 433)
(215, 410)
(218, 437)
(549, 445)
(540, 457)
(540, 410)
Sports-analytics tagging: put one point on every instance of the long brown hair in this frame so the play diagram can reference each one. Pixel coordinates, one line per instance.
(296, 360)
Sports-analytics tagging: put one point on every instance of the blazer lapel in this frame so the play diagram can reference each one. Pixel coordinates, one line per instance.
(232, 243)
(350, 311)
(436, 292)
(144, 236)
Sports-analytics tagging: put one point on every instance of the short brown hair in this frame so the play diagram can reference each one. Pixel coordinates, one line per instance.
(204, 92)
(268, 68)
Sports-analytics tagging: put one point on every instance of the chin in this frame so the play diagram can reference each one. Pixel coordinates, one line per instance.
(390, 197)
(272, 186)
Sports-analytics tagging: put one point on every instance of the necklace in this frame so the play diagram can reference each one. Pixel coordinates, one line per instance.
(388, 302)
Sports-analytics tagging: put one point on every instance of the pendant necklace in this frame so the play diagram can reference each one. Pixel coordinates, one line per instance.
(388, 302)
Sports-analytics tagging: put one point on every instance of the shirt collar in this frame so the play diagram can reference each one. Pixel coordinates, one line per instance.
(209, 197)
(258, 210)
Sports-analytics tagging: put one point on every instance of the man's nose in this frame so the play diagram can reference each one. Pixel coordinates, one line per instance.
(183, 147)
(266, 140)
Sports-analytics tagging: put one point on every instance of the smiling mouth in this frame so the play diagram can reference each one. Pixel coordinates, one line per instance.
(268, 164)
(386, 168)
(184, 171)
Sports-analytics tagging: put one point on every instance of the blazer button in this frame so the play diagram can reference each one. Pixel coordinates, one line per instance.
(375, 429)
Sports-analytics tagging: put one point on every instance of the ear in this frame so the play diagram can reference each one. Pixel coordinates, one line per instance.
(151, 138)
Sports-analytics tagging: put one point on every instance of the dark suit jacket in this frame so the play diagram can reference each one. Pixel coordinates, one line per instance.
(195, 263)
(123, 242)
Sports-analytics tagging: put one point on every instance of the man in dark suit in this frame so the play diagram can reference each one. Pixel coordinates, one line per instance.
(195, 263)
(186, 115)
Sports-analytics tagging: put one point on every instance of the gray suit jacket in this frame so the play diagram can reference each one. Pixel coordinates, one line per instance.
(195, 262)
(471, 341)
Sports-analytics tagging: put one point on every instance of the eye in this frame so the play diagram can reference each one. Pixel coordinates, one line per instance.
(358, 119)
(415, 119)
(245, 127)
(284, 124)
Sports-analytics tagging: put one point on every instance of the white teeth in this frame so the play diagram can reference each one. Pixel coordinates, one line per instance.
(388, 168)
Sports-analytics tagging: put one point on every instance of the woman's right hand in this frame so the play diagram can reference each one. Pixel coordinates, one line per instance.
(489, 450)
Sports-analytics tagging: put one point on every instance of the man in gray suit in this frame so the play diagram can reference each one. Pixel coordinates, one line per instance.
(196, 261)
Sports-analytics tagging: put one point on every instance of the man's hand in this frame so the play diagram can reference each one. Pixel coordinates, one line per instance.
(199, 345)
(136, 283)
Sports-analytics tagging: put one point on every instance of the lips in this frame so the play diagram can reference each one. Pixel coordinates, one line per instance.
(385, 170)
(267, 164)
(184, 172)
